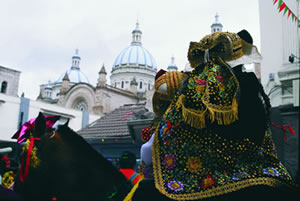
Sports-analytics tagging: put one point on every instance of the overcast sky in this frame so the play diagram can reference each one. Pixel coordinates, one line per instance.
(39, 37)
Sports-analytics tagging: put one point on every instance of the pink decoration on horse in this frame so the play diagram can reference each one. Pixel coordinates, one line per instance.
(20, 135)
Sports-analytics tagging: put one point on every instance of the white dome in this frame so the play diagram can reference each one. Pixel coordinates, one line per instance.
(75, 76)
(137, 55)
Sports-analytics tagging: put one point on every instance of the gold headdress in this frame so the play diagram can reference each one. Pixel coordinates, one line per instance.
(220, 45)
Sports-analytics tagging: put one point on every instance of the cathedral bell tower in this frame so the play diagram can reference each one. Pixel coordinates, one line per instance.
(102, 77)
(216, 26)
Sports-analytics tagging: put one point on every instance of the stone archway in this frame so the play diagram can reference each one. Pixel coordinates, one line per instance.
(81, 97)
(81, 105)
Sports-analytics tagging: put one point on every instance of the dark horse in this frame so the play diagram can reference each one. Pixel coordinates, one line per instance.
(69, 169)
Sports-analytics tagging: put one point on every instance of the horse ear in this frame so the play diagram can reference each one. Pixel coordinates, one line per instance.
(39, 125)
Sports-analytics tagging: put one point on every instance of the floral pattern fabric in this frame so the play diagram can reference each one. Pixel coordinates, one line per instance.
(194, 163)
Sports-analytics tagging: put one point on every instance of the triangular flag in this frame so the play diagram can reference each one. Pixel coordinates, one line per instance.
(293, 16)
(285, 10)
(282, 7)
(279, 4)
(296, 19)
(289, 13)
(275, 2)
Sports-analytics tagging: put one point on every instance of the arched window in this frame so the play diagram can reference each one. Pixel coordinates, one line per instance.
(141, 84)
(122, 84)
(4, 87)
(82, 106)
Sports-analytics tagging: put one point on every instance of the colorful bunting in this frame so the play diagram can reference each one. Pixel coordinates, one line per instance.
(279, 4)
(285, 10)
(282, 6)
(289, 13)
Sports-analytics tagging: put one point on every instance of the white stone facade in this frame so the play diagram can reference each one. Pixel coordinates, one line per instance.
(143, 76)
(9, 81)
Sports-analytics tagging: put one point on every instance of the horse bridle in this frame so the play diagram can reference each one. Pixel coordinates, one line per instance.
(31, 154)
(53, 133)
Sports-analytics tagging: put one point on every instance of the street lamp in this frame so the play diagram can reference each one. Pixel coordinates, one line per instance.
(292, 58)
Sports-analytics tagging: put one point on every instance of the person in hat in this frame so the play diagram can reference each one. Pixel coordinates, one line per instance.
(200, 149)
(127, 165)
(166, 86)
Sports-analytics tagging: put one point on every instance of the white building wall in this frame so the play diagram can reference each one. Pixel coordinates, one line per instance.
(271, 35)
(126, 74)
(149, 96)
(280, 37)
(9, 114)
(115, 101)
(55, 91)
(12, 78)
(296, 90)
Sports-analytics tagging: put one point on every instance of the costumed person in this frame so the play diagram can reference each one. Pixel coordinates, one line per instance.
(253, 104)
(200, 149)
(127, 165)
(166, 86)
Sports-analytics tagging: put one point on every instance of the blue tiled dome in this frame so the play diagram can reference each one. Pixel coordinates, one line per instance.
(75, 76)
(74, 73)
(135, 54)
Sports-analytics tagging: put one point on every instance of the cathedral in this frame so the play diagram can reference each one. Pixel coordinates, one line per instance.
(132, 76)
(131, 80)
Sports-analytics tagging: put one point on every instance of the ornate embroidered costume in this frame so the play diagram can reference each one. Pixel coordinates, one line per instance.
(192, 157)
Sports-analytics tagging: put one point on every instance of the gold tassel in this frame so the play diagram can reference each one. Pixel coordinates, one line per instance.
(35, 161)
(196, 118)
(192, 117)
(224, 117)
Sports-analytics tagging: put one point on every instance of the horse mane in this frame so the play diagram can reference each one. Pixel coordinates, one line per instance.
(81, 145)
(110, 174)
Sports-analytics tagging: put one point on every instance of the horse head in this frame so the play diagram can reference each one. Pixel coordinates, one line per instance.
(58, 163)
(31, 170)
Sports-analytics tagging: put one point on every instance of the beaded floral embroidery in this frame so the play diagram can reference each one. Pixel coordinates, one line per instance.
(191, 160)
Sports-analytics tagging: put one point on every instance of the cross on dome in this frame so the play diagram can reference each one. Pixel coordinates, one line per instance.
(136, 35)
(217, 17)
